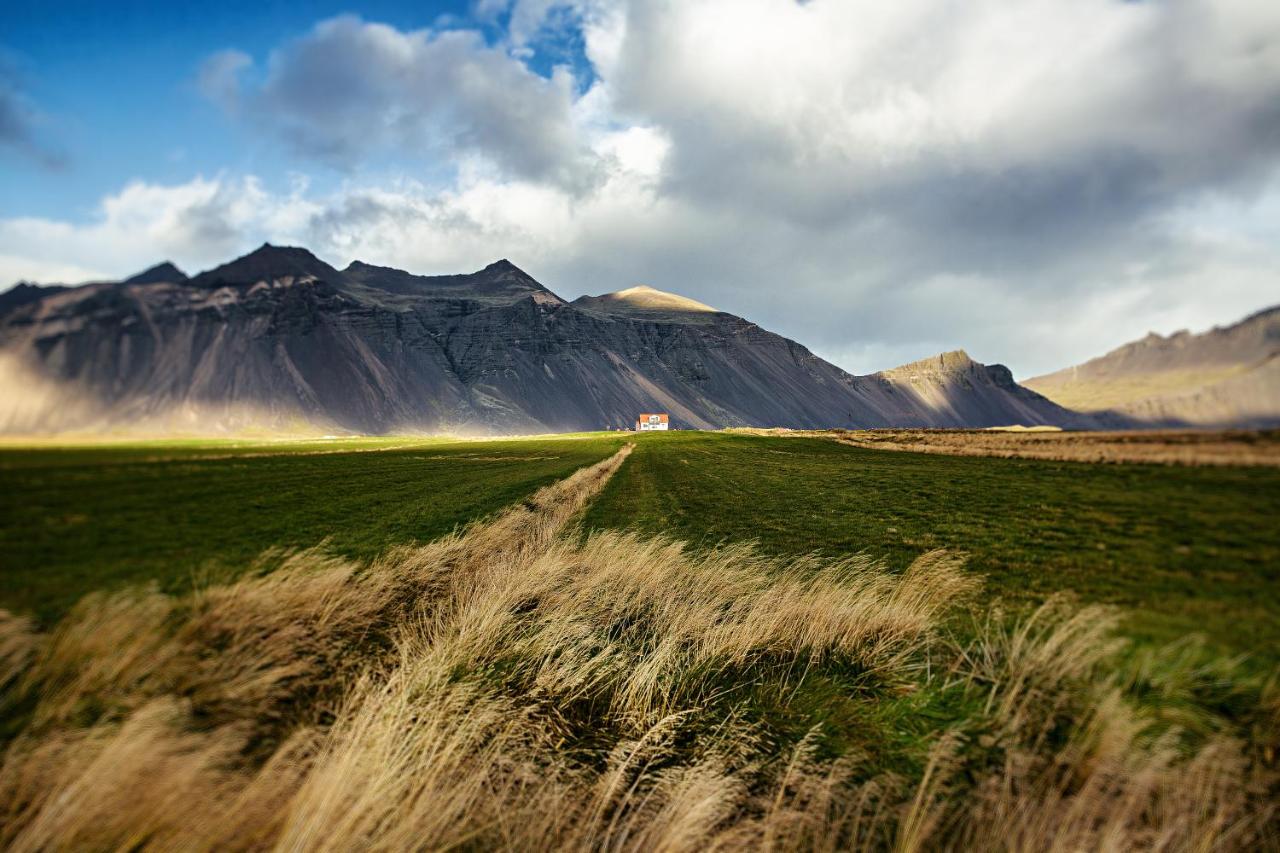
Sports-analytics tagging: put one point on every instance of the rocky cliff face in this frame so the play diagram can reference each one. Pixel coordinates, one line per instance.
(278, 339)
(1227, 376)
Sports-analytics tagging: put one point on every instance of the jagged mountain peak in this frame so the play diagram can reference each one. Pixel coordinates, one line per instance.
(950, 361)
(165, 271)
(507, 276)
(953, 364)
(25, 292)
(497, 267)
(954, 358)
(361, 272)
(501, 280)
(267, 263)
(1257, 327)
(503, 269)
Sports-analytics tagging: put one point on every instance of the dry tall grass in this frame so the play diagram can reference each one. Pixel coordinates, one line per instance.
(518, 687)
(1160, 447)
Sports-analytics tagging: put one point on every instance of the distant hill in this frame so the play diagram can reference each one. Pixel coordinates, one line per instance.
(279, 339)
(1228, 376)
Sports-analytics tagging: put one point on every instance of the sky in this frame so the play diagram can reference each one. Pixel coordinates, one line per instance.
(1034, 182)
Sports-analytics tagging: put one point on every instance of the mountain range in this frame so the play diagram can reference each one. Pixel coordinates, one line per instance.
(280, 340)
(1225, 377)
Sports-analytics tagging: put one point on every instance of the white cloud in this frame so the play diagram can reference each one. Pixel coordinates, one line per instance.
(818, 107)
(198, 223)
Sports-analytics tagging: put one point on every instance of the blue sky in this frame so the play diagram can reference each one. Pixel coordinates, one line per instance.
(115, 85)
(1034, 182)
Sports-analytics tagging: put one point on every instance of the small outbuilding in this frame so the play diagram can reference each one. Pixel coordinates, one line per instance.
(647, 422)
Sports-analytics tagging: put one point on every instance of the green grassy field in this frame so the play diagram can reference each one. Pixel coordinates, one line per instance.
(811, 676)
(1181, 549)
(84, 517)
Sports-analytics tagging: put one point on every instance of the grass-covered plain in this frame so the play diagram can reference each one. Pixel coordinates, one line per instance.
(82, 517)
(543, 681)
(1182, 550)
(522, 687)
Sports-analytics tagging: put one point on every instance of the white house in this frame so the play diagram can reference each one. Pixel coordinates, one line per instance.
(647, 422)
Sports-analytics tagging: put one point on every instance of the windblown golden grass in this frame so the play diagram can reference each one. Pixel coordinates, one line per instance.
(519, 687)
